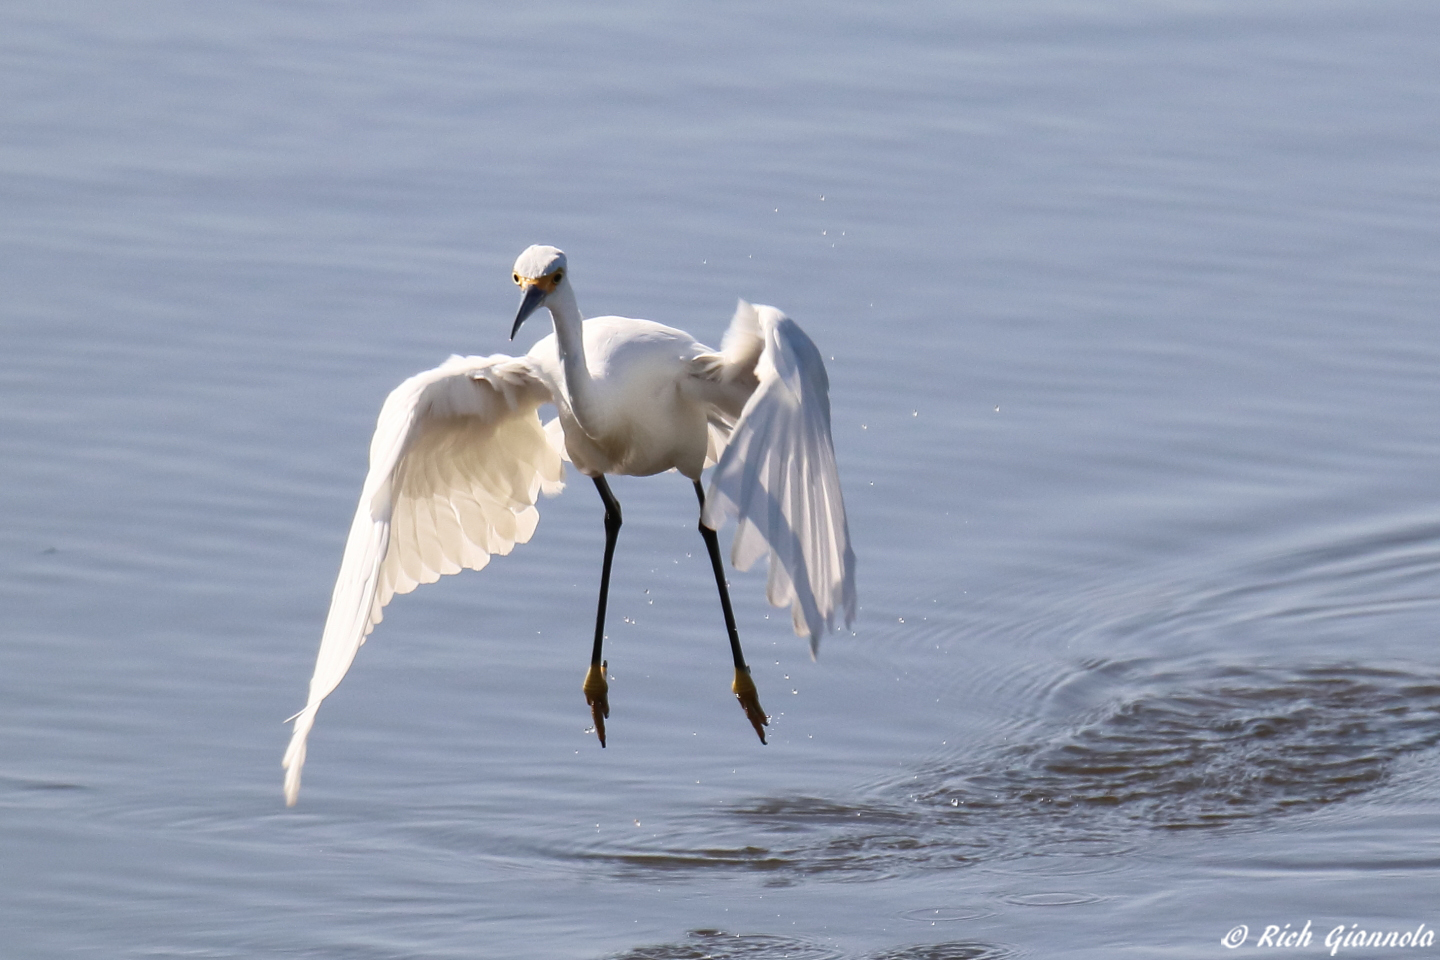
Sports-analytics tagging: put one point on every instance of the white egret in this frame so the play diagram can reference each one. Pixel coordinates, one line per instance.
(459, 456)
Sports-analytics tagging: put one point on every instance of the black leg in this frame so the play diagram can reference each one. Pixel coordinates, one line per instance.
(596, 688)
(743, 687)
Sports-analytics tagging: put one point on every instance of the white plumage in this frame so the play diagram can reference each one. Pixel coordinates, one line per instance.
(459, 458)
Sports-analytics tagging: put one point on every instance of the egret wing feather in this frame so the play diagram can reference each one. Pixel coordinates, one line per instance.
(456, 464)
(778, 479)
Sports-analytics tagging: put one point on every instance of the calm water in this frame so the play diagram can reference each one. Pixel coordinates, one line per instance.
(1130, 317)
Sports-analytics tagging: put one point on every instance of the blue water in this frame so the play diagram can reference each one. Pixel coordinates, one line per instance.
(1129, 317)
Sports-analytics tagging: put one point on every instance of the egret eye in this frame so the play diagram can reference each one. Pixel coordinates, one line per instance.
(559, 275)
(515, 277)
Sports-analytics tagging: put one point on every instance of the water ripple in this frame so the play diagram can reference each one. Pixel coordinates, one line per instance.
(1057, 899)
(950, 914)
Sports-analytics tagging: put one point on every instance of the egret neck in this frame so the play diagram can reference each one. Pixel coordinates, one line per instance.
(570, 339)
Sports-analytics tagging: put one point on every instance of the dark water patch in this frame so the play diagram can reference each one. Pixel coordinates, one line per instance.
(718, 945)
(28, 784)
(795, 813)
(955, 950)
(853, 853)
(750, 858)
(18, 792)
(791, 837)
(1248, 744)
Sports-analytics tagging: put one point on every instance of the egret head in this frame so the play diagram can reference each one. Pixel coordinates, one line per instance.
(539, 272)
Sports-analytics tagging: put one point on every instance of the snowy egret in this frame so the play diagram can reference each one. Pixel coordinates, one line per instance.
(459, 456)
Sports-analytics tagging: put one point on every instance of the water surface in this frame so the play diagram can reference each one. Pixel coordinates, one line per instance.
(1128, 312)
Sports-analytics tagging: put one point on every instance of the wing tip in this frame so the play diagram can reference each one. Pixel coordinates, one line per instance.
(292, 784)
(294, 760)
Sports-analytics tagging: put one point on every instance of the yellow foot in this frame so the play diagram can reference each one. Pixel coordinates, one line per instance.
(597, 694)
(744, 690)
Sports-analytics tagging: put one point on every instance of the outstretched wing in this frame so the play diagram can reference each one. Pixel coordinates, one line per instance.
(777, 477)
(456, 464)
